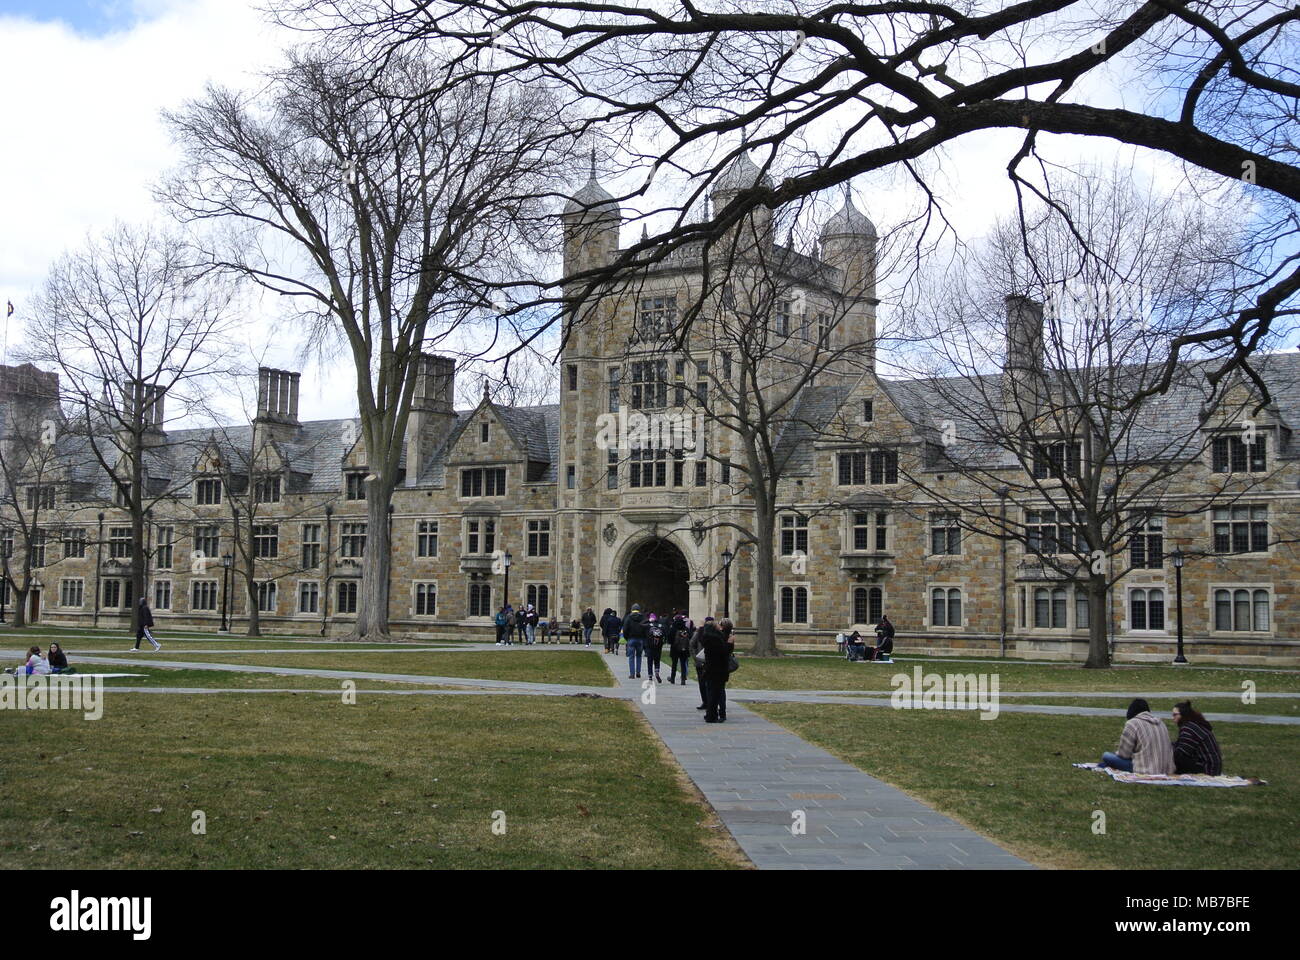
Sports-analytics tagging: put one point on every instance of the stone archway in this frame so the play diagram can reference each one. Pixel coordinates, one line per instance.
(658, 577)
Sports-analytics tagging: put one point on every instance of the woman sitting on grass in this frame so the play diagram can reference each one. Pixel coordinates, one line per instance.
(35, 665)
(1144, 745)
(59, 660)
(1196, 750)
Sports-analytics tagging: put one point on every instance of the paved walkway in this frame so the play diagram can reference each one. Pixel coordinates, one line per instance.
(759, 777)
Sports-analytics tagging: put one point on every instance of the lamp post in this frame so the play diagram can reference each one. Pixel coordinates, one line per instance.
(225, 588)
(1178, 559)
(505, 563)
(727, 557)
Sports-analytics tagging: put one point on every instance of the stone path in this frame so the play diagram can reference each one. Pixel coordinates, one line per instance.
(759, 777)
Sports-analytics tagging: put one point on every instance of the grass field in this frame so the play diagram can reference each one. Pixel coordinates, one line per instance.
(579, 668)
(836, 673)
(307, 782)
(1011, 779)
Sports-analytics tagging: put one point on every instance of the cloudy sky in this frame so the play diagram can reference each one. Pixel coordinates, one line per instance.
(81, 140)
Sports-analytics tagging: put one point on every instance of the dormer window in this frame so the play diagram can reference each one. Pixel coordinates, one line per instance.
(878, 466)
(481, 482)
(267, 490)
(1057, 460)
(356, 486)
(1233, 455)
(207, 492)
(40, 497)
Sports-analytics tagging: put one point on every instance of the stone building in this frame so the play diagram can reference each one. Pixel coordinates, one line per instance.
(592, 523)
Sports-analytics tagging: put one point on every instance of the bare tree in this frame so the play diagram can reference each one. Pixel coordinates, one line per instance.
(258, 483)
(829, 92)
(135, 333)
(1096, 477)
(391, 213)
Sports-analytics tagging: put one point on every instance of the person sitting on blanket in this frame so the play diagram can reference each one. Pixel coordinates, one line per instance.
(1196, 750)
(59, 660)
(1144, 745)
(857, 646)
(35, 664)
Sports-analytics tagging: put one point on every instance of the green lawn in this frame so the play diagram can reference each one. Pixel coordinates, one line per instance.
(169, 677)
(1011, 779)
(836, 673)
(579, 668)
(1162, 705)
(308, 782)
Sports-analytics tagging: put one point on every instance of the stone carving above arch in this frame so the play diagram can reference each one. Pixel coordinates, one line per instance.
(610, 534)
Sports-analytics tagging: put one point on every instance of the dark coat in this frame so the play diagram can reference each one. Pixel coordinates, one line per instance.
(635, 626)
(58, 660)
(589, 619)
(146, 615)
(717, 650)
(679, 638)
(611, 624)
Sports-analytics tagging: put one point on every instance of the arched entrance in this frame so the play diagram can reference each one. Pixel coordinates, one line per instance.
(657, 577)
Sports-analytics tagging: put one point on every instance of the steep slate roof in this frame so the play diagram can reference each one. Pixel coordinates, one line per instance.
(1167, 419)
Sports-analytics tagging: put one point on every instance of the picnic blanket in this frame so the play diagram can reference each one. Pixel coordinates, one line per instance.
(1178, 779)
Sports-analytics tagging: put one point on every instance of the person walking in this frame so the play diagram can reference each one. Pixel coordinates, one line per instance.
(610, 626)
(588, 624)
(654, 648)
(145, 621)
(718, 648)
(679, 646)
(635, 628)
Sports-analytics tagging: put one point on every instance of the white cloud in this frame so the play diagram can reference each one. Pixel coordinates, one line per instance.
(81, 140)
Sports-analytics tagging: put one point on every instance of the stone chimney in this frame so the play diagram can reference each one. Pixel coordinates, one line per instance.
(277, 405)
(432, 411)
(1023, 376)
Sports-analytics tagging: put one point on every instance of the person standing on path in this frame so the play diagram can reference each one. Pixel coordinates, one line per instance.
(679, 646)
(635, 628)
(701, 669)
(718, 648)
(501, 620)
(654, 648)
(588, 624)
(611, 624)
(521, 623)
(145, 622)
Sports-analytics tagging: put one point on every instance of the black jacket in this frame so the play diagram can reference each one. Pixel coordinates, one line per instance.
(589, 619)
(146, 615)
(610, 625)
(634, 627)
(679, 638)
(58, 661)
(717, 650)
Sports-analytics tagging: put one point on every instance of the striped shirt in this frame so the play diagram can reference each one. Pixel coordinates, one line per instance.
(1196, 750)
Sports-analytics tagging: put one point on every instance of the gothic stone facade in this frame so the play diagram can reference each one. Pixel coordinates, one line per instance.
(540, 484)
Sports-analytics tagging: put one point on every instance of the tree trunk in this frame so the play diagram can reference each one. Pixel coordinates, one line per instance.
(1098, 624)
(372, 599)
(20, 606)
(765, 585)
(254, 615)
